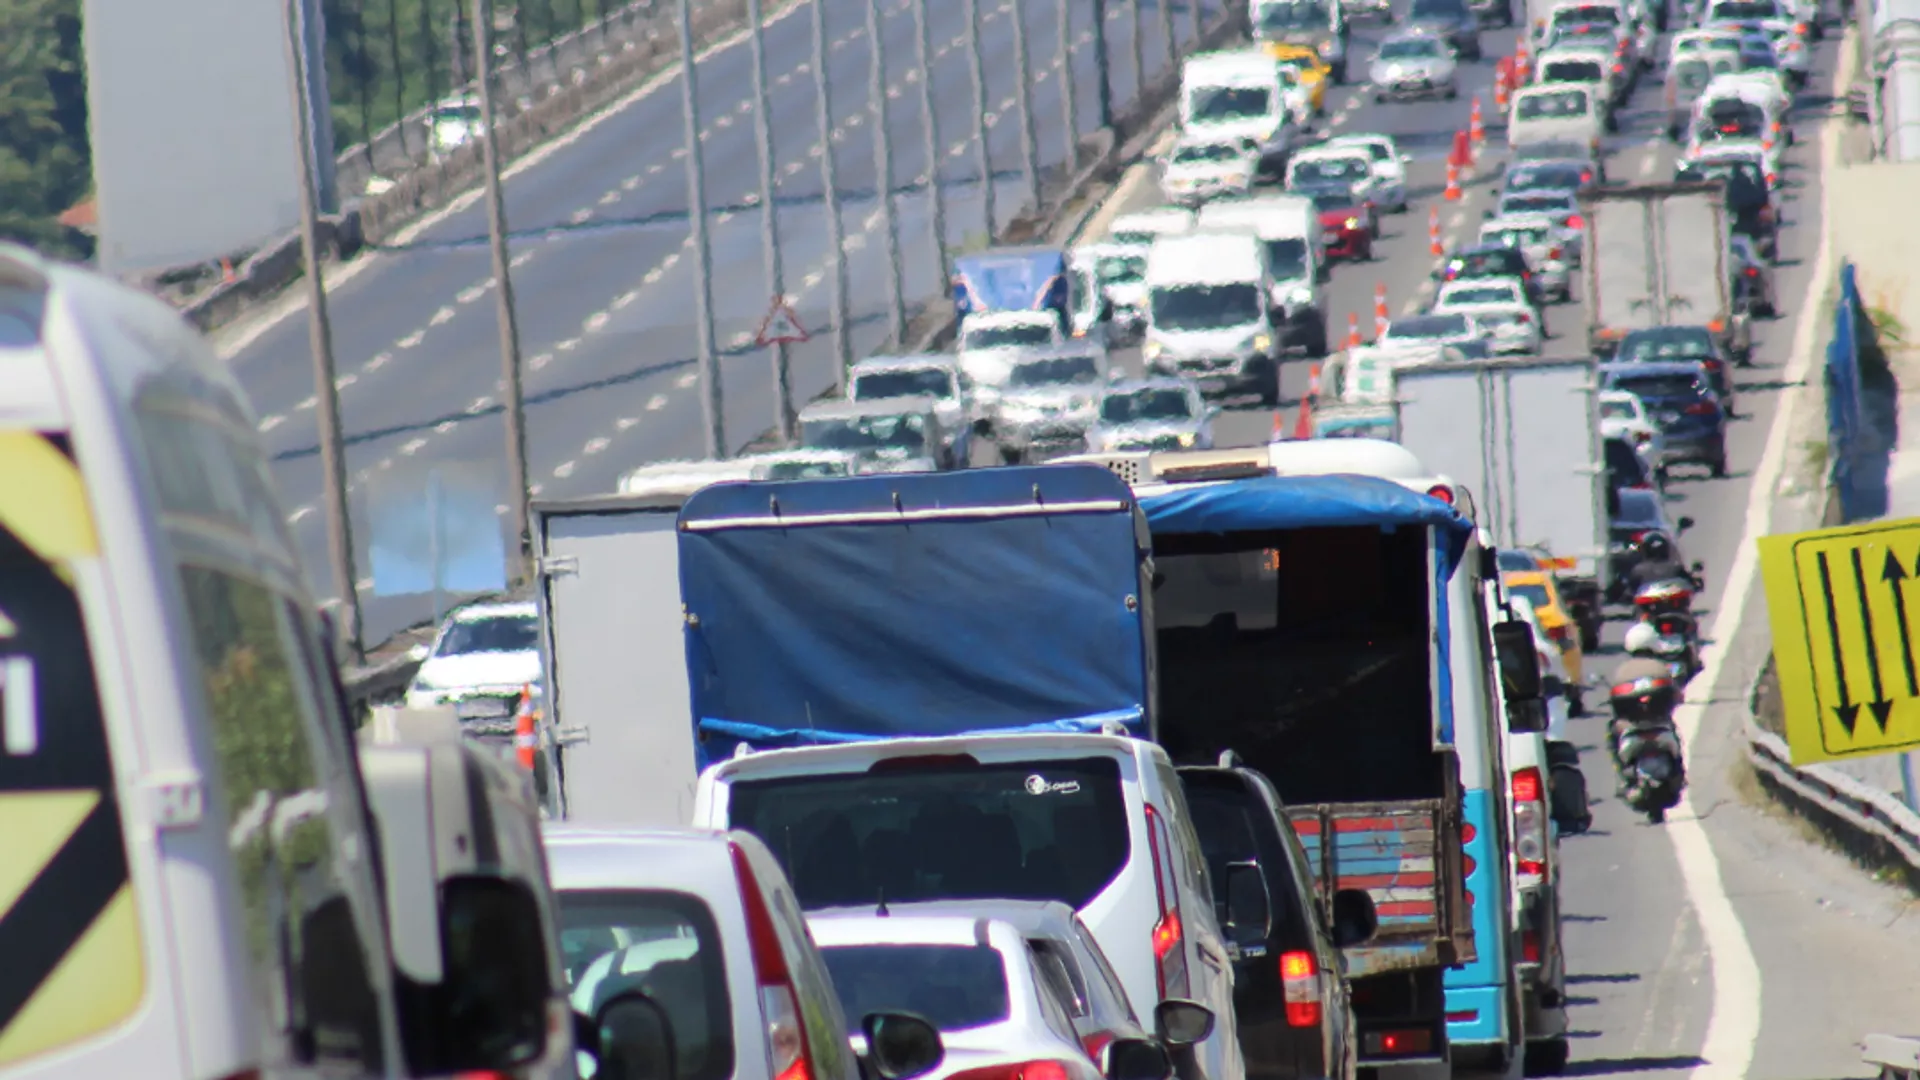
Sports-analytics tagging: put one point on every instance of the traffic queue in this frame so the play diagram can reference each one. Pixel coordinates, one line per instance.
(1140, 759)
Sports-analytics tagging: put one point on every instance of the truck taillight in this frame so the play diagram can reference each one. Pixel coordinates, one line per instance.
(1576, 222)
(1530, 822)
(1043, 1069)
(1169, 937)
(787, 1051)
(1553, 253)
(1300, 984)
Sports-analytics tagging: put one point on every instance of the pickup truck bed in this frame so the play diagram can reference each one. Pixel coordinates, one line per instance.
(1387, 849)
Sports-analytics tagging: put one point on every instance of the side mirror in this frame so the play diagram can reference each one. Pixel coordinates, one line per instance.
(1249, 908)
(1136, 1059)
(1354, 917)
(901, 1045)
(1487, 215)
(1698, 567)
(1683, 524)
(1513, 646)
(1178, 1022)
(630, 1039)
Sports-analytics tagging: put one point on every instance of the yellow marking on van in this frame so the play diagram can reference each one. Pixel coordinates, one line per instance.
(44, 500)
(37, 824)
(7, 626)
(96, 985)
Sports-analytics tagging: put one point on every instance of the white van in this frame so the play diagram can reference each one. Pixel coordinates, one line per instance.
(1238, 95)
(1288, 227)
(1099, 822)
(1209, 313)
(1142, 228)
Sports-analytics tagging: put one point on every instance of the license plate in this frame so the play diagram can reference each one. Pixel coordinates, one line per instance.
(1413, 84)
(1330, 237)
(1669, 417)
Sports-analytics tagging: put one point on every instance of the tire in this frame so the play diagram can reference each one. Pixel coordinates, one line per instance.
(1009, 455)
(1719, 466)
(1340, 73)
(1657, 816)
(1548, 1057)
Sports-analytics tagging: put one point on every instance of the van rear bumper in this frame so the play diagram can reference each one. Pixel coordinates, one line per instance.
(1482, 1015)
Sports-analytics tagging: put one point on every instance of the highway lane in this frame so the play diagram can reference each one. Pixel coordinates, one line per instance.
(1829, 943)
(604, 293)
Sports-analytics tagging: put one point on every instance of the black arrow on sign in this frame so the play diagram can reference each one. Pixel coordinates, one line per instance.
(1846, 712)
(1895, 574)
(1879, 706)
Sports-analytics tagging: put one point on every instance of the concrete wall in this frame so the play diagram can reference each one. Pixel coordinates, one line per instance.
(1870, 220)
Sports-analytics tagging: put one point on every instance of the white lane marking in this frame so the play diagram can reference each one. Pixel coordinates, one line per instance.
(597, 321)
(1646, 165)
(411, 340)
(627, 422)
(625, 298)
(378, 361)
(521, 259)
(596, 444)
(473, 292)
(271, 422)
(609, 198)
(345, 381)
(540, 360)
(237, 337)
(568, 345)
(656, 402)
(563, 470)
(309, 403)
(630, 183)
(412, 446)
(580, 216)
(1734, 1024)
(687, 380)
(443, 427)
(441, 317)
(298, 514)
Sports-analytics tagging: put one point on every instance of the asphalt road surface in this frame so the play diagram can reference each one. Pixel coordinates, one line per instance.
(602, 264)
(1728, 942)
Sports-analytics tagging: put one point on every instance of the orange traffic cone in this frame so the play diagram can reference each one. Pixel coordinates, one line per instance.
(1500, 98)
(1433, 232)
(1476, 127)
(226, 270)
(1379, 310)
(523, 738)
(1353, 330)
(1452, 194)
(1522, 63)
(1303, 423)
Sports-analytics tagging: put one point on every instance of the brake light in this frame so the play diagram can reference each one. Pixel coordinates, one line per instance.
(1553, 253)
(1169, 937)
(1524, 319)
(1642, 438)
(1638, 535)
(1301, 986)
(1618, 68)
(1442, 492)
(1044, 1069)
(1586, 177)
(1576, 222)
(779, 1005)
(1701, 408)
(1559, 634)
(1773, 180)
(1530, 822)
(1096, 1042)
(1529, 946)
(1752, 271)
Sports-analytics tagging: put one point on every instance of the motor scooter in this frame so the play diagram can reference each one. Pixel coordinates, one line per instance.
(1647, 753)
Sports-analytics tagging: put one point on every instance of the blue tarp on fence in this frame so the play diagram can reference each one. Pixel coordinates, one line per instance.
(1860, 433)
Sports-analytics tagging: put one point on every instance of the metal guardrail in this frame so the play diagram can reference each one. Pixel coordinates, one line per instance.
(1877, 818)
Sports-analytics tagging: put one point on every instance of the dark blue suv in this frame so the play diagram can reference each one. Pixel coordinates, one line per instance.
(1679, 397)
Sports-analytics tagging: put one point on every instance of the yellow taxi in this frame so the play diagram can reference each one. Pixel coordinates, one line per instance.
(1540, 591)
(1314, 73)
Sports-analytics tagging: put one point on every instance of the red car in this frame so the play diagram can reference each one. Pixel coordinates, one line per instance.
(1348, 226)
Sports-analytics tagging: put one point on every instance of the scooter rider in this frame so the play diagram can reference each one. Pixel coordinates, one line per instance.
(1642, 662)
(1658, 562)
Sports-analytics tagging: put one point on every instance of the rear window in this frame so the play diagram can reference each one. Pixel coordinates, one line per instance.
(954, 986)
(1535, 594)
(1573, 71)
(1231, 822)
(663, 944)
(1659, 386)
(1517, 560)
(944, 829)
(1638, 510)
(1488, 264)
(1554, 105)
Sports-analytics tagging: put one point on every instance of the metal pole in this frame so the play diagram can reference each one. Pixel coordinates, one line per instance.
(936, 195)
(320, 339)
(1139, 50)
(1907, 791)
(1102, 66)
(1193, 23)
(515, 405)
(1069, 99)
(1023, 104)
(883, 171)
(830, 190)
(712, 402)
(982, 151)
(783, 415)
(1166, 29)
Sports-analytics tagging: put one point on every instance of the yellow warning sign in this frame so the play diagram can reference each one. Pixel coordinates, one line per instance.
(1845, 609)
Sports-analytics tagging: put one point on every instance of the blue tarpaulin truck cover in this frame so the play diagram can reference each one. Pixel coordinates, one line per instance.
(1306, 502)
(1011, 279)
(934, 604)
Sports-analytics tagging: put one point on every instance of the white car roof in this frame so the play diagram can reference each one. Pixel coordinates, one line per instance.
(864, 926)
(1516, 221)
(1445, 307)
(1331, 152)
(512, 609)
(849, 757)
(1008, 318)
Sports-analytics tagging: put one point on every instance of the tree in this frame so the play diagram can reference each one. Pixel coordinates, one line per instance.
(45, 166)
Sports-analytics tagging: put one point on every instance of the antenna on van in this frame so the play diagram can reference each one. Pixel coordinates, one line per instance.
(1113, 727)
(881, 911)
(1230, 759)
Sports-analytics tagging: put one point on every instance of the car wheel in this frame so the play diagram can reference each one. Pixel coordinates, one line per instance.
(1452, 92)
(1719, 466)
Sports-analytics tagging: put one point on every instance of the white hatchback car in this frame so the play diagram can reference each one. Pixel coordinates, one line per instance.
(704, 927)
(482, 650)
(1511, 327)
(1624, 416)
(1098, 822)
(1005, 993)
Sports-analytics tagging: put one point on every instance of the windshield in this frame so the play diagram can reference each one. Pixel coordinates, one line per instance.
(1535, 204)
(1058, 371)
(1205, 307)
(1438, 9)
(1205, 152)
(954, 987)
(1288, 258)
(1573, 71)
(1329, 201)
(1654, 387)
(940, 829)
(1559, 105)
(1120, 269)
(1419, 48)
(1692, 74)
(1228, 102)
(1321, 170)
(1478, 294)
(1141, 406)
(1667, 343)
(1299, 15)
(1516, 236)
(920, 382)
(1615, 409)
(1535, 595)
(801, 470)
(1639, 510)
(1505, 263)
(665, 945)
(1598, 13)
(1759, 54)
(490, 633)
(1429, 328)
(1555, 176)
(1743, 9)
(866, 433)
(1008, 336)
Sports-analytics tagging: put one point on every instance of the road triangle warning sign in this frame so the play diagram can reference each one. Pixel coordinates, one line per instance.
(782, 324)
